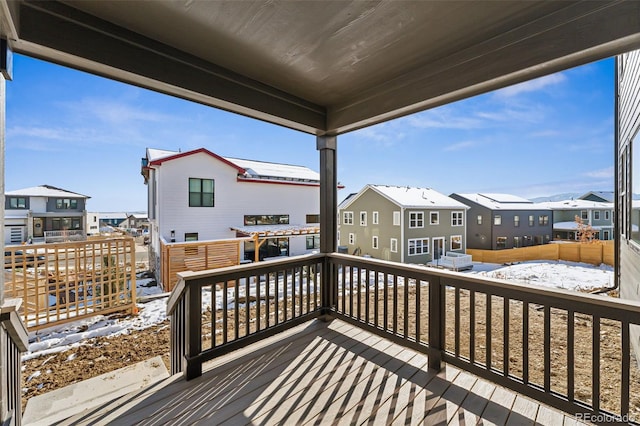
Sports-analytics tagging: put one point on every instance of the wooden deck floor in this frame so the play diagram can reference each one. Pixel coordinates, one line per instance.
(324, 373)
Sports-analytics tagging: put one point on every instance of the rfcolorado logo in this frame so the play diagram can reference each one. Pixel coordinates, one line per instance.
(604, 418)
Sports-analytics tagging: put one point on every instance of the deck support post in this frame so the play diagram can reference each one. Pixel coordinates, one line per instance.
(192, 366)
(436, 323)
(327, 145)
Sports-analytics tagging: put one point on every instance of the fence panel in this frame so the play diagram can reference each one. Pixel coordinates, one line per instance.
(67, 281)
(594, 253)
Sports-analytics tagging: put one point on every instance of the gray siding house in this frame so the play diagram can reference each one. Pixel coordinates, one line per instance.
(31, 214)
(595, 213)
(502, 221)
(402, 224)
(628, 182)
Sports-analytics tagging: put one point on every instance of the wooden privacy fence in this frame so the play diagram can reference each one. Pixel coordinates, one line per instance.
(196, 256)
(68, 281)
(594, 253)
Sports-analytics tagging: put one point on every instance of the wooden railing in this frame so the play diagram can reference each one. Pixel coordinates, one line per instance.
(214, 312)
(13, 341)
(566, 349)
(68, 281)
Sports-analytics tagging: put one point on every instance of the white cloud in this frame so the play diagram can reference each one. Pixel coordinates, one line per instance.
(460, 146)
(531, 85)
(606, 173)
(116, 112)
(444, 118)
(386, 134)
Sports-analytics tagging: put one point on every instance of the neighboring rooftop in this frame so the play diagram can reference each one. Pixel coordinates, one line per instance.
(577, 205)
(45, 191)
(602, 196)
(502, 201)
(247, 169)
(412, 197)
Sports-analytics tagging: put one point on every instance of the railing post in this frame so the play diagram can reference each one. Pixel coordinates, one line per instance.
(436, 323)
(193, 315)
(327, 145)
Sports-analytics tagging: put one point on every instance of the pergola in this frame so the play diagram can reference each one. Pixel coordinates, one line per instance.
(323, 68)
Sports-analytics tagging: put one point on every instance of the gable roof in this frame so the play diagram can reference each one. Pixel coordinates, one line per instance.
(45, 191)
(248, 169)
(604, 196)
(498, 201)
(410, 197)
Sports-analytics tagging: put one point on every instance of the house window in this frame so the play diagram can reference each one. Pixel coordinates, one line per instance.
(17, 203)
(374, 242)
(606, 215)
(418, 246)
(479, 219)
(516, 242)
(66, 204)
(516, 221)
(501, 242)
(313, 218)
(375, 218)
(584, 215)
(352, 238)
(394, 245)
(266, 219)
(347, 218)
(416, 220)
(313, 242)
(396, 218)
(191, 236)
(338, 236)
(537, 240)
(531, 220)
(456, 242)
(363, 218)
(605, 235)
(434, 218)
(456, 218)
(497, 220)
(543, 220)
(201, 192)
(596, 215)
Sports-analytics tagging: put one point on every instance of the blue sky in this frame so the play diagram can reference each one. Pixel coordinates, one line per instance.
(87, 134)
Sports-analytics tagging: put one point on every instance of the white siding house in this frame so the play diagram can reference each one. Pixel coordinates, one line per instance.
(201, 196)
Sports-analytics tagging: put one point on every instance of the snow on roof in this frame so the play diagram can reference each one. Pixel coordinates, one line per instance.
(577, 205)
(570, 226)
(46, 191)
(503, 201)
(252, 169)
(406, 196)
(112, 215)
(605, 195)
(265, 170)
(156, 154)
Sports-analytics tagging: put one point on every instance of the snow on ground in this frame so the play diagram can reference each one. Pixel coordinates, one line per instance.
(567, 275)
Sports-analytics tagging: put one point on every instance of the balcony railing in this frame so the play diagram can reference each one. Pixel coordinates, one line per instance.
(532, 340)
(63, 236)
(14, 334)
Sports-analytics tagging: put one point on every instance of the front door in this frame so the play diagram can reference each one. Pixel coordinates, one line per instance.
(38, 227)
(438, 248)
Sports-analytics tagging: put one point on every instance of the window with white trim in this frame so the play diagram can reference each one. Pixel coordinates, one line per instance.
(497, 219)
(347, 218)
(352, 238)
(456, 242)
(363, 218)
(434, 218)
(531, 220)
(375, 218)
(416, 220)
(396, 218)
(596, 215)
(516, 220)
(394, 245)
(456, 218)
(584, 215)
(606, 215)
(479, 219)
(418, 246)
(374, 242)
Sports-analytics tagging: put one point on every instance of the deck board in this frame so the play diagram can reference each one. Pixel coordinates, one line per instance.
(323, 373)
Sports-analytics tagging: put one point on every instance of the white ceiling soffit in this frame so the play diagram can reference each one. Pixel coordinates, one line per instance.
(321, 67)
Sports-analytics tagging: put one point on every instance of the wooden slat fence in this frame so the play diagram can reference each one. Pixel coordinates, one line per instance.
(594, 253)
(68, 281)
(196, 256)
